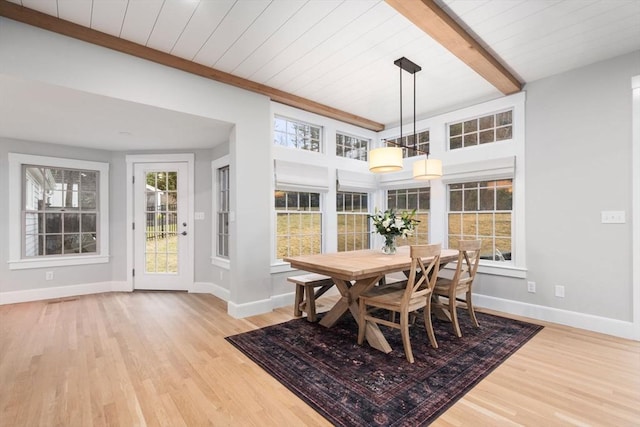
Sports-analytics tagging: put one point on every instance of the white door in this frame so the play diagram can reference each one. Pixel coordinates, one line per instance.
(161, 227)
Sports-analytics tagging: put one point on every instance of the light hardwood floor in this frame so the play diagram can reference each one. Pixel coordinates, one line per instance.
(160, 359)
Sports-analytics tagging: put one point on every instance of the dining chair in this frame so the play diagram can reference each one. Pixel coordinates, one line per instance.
(403, 299)
(462, 281)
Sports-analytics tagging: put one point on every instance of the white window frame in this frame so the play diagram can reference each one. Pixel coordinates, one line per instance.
(216, 260)
(364, 158)
(16, 238)
(321, 144)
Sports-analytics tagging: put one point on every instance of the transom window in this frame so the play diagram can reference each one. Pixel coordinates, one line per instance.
(408, 200)
(351, 147)
(422, 145)
(60, 211)
(223, 213)
(296, 134)
(481, 130)
(298, 223)
(482, 210)
(353, 222)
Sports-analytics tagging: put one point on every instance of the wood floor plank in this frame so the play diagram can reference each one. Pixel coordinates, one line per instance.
(160, 359)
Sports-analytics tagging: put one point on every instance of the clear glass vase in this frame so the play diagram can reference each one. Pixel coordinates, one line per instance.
(389, 247)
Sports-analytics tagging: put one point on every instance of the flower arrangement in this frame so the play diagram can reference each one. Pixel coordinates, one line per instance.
(390, 224)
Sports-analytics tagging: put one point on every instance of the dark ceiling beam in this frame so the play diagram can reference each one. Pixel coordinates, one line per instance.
(56, 25)
(434, 21)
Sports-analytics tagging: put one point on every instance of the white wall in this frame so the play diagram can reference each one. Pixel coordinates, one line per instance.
(578, 163)
(34, 54)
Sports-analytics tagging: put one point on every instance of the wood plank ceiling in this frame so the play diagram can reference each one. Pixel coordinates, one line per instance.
(335, 57)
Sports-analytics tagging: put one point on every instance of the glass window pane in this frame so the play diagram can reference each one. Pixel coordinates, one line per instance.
(504, 199)
(470, 126)
(503, 133)
(470, 139)
(71, 243)
(172, 181)
(487, 199)
(88, 200)
(89, 180)
(455, 201)
(469, 228)
(486, 122)
(71, 223)
(470, 200)
(504, 118)
(455, 142)
(455, 129)
(54, 223)
(88, 242)
(503, 224)
(53, 244)
(487, 136)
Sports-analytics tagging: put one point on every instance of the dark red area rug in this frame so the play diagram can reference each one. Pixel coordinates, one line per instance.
(352, 385)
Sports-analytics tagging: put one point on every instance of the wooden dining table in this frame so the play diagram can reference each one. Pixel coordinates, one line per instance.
(355, 272)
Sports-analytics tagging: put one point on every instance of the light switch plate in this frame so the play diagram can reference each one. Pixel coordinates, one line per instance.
(613, 217)
(199, 215)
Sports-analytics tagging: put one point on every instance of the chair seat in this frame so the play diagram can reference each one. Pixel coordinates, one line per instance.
(389, 297)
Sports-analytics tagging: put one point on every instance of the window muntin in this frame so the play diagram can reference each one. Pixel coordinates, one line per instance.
(351, 147)
(408, 200)
(222, 232)
(298, 223)
(407, 141)
(296, 134)
(59, 211)
(482, 210)
(353, 221)
(481, 130)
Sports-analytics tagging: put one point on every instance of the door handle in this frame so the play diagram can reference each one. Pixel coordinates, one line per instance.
(184, 233)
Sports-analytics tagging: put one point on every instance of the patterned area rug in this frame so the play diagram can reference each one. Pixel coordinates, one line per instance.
(352, 385)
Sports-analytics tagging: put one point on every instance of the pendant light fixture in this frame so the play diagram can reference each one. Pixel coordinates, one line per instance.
(389, 159)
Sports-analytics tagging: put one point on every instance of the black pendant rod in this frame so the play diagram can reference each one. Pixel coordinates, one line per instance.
(412, 68)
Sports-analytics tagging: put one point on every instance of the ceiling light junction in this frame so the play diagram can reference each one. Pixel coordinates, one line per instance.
(389, 159)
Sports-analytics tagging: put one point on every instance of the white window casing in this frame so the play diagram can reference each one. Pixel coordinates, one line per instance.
(16, 238)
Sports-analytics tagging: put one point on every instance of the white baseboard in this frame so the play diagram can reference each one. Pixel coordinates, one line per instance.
(211, 288)
(252, 308)
(61, 292)
(574, 319)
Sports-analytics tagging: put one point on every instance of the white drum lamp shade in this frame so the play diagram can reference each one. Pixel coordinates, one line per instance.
(385, 159)
(427, 169)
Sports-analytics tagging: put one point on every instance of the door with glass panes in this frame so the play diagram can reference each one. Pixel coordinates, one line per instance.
(161, 227)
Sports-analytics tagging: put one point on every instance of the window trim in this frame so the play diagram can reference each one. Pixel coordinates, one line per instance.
(16, 260)
(215, 259)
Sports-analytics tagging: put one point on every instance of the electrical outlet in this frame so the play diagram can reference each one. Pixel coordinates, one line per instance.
(612, 217)
(48, 275)
(560, 291)
(531, 287)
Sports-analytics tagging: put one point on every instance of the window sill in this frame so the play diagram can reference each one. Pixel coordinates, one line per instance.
(221, 262)
(497, 270)
(281, 267)
(25, 264)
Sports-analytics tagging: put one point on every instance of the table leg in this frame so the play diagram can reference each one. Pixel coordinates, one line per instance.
(349, 301)
(438, 310)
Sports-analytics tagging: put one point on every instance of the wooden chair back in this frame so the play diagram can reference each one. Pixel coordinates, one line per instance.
(422, 278)
(468, 260)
